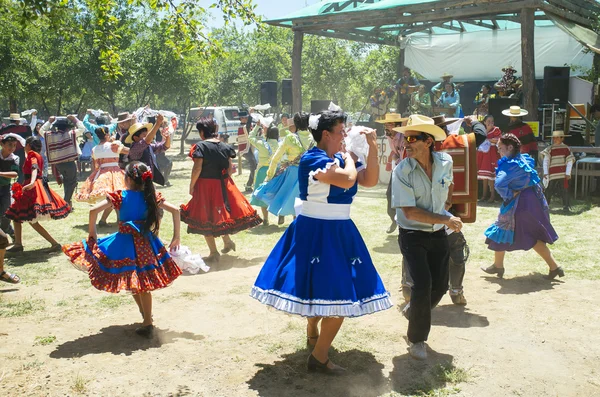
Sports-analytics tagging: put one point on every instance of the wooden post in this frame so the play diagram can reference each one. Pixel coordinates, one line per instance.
(528, 63)
(399, 72)
(596, 78)
(297, 72)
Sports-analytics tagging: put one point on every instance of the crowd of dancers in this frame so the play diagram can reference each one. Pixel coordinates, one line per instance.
(320, 268)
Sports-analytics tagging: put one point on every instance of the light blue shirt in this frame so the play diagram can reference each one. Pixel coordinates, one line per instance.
(92, 128)
(411, 187)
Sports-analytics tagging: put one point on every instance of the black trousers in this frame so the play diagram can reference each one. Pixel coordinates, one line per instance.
(427, 257)
(4, 204)
(557, 187)
(68, 170)
(252, 164)
(165, 165)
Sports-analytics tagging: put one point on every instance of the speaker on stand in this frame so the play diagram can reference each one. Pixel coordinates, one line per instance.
(317, 106)
(268, 93)
(556, 85)
(496, 106)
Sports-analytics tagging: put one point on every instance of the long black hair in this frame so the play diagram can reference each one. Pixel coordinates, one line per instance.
(135, 171)
(301, 121)
(34, 143)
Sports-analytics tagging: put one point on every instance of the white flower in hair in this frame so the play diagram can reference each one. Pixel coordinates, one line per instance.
(313, 121)
(334, 108)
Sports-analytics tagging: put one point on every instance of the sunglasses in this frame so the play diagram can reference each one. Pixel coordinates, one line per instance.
(414, 138)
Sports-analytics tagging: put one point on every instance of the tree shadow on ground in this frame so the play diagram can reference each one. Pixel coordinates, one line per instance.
(119, 339)
(289, 377)
(227, 262)
(413, 377)
(27, 257)
(4, 291)
(390, 246)
(263, 229)
(576, 209)
(520, 285)
(457, 317)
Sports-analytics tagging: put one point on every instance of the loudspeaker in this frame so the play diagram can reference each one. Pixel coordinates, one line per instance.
(556, 84)
(286, 92)
(268, 93)
(496, 106)
(317, 106)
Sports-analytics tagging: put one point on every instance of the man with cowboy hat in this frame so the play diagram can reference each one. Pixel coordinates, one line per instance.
(506, 86)
(24, 131)
(439, 87)
(144, 148)
(522, 131)
(421, 194)
(60, 134)
(124, 121)
(558, 163)
(396, 142)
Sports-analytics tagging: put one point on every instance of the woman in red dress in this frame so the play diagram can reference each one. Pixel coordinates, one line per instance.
(217, 207)
(487, 158)
(35, 201)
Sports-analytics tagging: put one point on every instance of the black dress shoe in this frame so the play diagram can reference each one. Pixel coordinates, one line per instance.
(146, 331)
(314, 365)
(494, 270)
(556, 272)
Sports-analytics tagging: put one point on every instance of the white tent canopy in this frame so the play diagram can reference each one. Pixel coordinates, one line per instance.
(480, 56)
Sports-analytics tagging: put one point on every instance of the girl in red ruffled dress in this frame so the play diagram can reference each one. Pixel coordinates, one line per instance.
(35, 201)
(217, 207)
(487, 158)
(133, 259)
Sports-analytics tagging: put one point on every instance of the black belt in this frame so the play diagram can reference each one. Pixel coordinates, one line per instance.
(437, 232)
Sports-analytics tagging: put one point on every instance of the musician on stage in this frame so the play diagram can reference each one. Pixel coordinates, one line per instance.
(404, 85)
(438, 89)
(507, 85)
(420, 102)
(482, 100)
(450, 99)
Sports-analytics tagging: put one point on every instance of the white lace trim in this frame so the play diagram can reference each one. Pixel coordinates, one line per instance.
(311, 175)
(320, 307)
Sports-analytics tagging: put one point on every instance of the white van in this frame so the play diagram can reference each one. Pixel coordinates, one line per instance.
(226, 116)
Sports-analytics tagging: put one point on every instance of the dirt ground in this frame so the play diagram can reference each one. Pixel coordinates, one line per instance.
(522, 336)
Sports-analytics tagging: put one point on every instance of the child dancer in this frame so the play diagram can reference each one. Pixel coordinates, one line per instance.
(133, 259)
(35, 201)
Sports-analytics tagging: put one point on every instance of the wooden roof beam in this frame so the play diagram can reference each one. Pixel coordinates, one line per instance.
(548, 8)
(572, 7)
(482, 24)
(475, 12)
(354, 37)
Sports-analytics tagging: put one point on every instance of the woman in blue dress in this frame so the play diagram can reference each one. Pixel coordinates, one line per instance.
(524, 220)
(450, 99)
(321, 268)
(133, 259)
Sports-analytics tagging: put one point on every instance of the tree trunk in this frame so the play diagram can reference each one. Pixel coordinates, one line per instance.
(12, 103)
(185, 130)
(528, 63)
(297, 72)
(60, 90)
(80, 103)
(399, 73)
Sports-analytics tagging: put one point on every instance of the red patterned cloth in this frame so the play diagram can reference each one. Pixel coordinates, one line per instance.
(148, 271)
(488, 161)
(39, 203)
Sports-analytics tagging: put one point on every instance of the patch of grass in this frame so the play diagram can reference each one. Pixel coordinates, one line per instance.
(31, 365)
(20, 308)
(274, 347)
(112, 301)
(448, 373)
(239, 290)
(44, 340)
(79, 385)
(191, 295)
(62, 303)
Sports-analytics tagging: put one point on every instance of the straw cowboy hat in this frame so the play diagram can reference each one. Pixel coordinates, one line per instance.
(134, 129)
(515, 111)
(504, 69)
(124, 116)
(14, 117)
(441, 120)
(447, 76)
(559, 134)
(392, 118)
(418, 122)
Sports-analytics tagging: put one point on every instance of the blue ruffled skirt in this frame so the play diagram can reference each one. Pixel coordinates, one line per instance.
(521, 223)
(321, 268)
(280, 193)
(261, 174)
